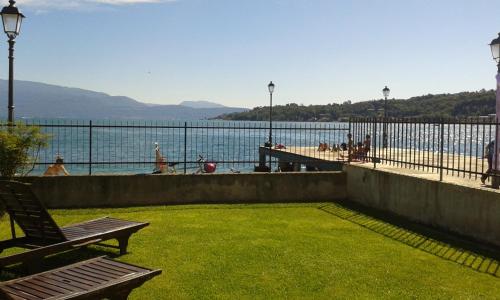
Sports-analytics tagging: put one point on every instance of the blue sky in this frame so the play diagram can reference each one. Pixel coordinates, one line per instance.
(226, 51)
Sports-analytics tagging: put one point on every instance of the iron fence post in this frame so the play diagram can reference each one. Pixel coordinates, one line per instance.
(375, 143)
(349, 130)
(495, 180)
(441, 150)
(348, 140)
(185, 147)
(90, 147)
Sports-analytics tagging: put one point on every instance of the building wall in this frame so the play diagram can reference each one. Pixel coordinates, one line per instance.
(469, 211)
(137, 190)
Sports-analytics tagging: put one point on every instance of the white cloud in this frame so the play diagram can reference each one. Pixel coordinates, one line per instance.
(77, 4)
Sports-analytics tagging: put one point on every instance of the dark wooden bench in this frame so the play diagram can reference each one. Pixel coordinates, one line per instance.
(44, 237)
(96, 278)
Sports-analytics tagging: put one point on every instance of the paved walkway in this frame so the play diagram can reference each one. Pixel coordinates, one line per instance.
(469, 182)
(414, 159)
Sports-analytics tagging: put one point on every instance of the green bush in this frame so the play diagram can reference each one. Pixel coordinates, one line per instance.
(17, 142)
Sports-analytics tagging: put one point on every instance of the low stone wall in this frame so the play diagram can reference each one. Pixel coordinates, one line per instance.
(138, 190)
(473, 212)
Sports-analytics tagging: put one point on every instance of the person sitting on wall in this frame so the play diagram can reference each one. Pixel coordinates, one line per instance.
(342, 149)
(161, 162)
(323, 147)
(279, 146)
(57, 168)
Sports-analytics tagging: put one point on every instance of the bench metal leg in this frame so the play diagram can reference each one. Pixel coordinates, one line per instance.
(123, 244)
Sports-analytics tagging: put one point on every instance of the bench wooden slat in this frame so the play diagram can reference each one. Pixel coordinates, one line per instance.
(54, 285)
(35, 287)
(11, 292)
(84, 285)
(13, 297)
(125, 266)
(72, 273)
(100, 271)
(30, 291)
(99, 227)
(107, 268)
(98, 275)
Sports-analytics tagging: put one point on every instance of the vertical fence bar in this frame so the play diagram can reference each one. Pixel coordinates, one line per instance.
(484, 141)
(90, 147)
(441, 151)
(477, 148)
(185, 147)
(348, 142)
(375, 143)
(453, 151)
(470, 148)
(391, 141)
(465, 148)
(494, 170)
(448, 148)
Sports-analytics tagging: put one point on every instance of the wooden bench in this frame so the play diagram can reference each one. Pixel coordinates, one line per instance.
(96, 278)
(44, 237)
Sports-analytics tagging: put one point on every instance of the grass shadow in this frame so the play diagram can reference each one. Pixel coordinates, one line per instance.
(476, 256)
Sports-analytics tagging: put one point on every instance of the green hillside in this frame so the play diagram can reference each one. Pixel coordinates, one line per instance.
(465, 104)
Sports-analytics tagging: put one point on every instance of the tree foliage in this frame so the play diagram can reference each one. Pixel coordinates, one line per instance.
(17, 142)
(465, 104)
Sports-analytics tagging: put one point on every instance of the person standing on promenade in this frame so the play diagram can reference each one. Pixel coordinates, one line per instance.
(350, 146)
(489, 151)
(366, 147)
(57, 168)
(161, 161)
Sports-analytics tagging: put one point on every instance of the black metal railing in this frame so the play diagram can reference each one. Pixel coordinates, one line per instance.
(97, 147)
(453, 147)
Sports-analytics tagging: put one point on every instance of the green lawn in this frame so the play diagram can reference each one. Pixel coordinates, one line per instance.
(288, 251)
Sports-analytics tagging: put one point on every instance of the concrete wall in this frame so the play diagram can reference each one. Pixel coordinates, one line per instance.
(136, 190)
(469, 211)
(472, 212)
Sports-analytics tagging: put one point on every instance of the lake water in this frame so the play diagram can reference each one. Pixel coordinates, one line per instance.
(128, 146)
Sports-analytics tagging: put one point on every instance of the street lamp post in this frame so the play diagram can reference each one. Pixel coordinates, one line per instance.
(270, 87)
(11, 19)
(386, 92)
(495, 51)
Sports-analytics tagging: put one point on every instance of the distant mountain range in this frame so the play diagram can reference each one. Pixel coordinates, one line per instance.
(201, 104)
(39, 100)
